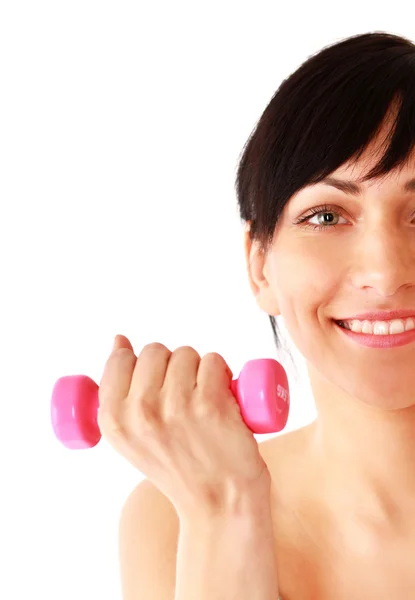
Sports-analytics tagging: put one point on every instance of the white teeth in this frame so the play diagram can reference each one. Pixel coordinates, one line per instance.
(380, 327)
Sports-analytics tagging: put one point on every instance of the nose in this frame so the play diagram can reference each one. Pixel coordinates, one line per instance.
(385, 259)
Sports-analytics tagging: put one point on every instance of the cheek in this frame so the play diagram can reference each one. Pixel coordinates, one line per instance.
(300, 273)
(305, 284)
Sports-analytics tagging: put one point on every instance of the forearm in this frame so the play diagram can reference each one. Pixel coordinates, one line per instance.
(227, 557)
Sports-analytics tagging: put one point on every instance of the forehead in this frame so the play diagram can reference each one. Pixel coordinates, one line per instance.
(349, 177)
(347, 181)
(356, 188)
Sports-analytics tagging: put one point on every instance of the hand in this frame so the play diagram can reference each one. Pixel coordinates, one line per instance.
(173, 416)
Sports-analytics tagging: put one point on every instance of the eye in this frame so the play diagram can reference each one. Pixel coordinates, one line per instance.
(315, 212)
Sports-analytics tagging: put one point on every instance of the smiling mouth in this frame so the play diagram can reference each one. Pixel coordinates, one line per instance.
(344, 325)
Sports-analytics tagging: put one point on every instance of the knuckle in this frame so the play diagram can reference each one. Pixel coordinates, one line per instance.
(155, 346)
(186, 350)
(216, 361)
(213, 357)
(122, 352)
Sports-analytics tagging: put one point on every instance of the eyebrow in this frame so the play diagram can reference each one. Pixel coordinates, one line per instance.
(353, 188)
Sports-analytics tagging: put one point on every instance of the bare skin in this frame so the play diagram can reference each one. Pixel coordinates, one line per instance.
(320, 556)
(344, 495)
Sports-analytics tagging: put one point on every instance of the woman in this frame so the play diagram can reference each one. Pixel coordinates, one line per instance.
(326, 187)
(322, 252)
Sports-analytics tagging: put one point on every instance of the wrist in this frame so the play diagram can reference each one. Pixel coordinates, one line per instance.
(247, 507)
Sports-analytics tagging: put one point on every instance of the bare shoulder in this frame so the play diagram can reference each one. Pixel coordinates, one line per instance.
(147, 494)
(148, 510)
(148, 536)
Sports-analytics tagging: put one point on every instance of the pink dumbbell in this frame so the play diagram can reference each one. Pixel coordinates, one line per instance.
(261, 391)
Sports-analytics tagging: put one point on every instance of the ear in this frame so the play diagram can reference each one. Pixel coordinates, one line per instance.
(255, 264)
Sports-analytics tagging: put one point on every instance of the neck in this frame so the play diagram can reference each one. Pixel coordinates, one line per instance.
(365, 459)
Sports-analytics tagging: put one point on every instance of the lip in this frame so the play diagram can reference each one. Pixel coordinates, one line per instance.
(380, 341)
(382, 315)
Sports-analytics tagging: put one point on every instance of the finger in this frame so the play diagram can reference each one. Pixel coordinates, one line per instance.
(116, 379)
(180, 382)
(150, 369)
(214, 375)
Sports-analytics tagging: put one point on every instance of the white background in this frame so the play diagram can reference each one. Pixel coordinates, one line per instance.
(121, 126)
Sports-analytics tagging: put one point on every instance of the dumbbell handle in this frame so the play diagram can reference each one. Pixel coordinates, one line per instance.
(261, 391)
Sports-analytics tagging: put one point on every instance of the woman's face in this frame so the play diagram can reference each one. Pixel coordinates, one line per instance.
(362, 258)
